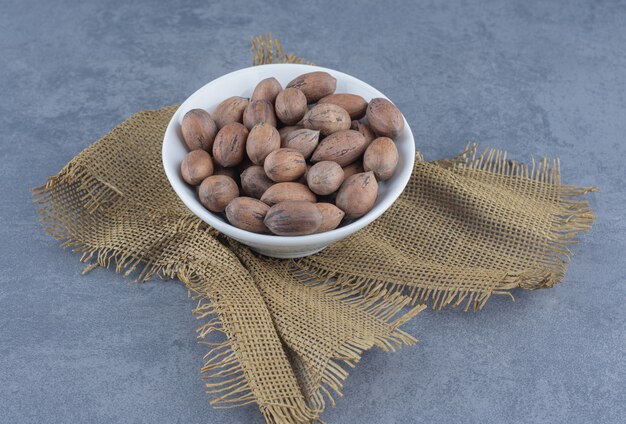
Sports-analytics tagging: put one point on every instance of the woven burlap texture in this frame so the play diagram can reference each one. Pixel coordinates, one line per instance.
(463, 230)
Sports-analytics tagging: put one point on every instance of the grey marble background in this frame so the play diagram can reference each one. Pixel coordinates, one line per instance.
(540, 77)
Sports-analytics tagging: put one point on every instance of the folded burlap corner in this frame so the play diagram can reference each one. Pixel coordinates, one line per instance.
(463, 229)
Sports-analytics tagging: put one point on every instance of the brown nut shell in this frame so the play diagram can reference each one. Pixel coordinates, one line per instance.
(291, 106)
(293, 218)
(324, 177)
(343, 147)
(314, 85)
(262, 140)
(354, 168)
(285, 131)
(254, 182)
(267, 89)
(196, 166)
(229, 111)
(198, 129)
(304, 140)
(247, 214)
(327, 118)
(354, 104)
(283, 192)
(217, 191)
(385, 118)
(259, 112)
(357, 195)
(230, 144)
(364, 129)
(331, 216)
(284, 165)
(381, 157)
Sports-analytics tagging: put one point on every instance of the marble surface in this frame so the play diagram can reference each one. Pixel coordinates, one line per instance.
(546, 78)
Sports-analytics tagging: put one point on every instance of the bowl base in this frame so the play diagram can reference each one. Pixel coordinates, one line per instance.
(287, 254)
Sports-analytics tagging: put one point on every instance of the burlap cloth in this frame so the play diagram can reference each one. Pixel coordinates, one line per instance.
(463, 230)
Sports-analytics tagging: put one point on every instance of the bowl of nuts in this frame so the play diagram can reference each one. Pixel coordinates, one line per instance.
(288, 158)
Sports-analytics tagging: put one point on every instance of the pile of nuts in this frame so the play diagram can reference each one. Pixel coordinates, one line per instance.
(291, 161)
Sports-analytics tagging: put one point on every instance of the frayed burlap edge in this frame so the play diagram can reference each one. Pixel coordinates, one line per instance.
(224, 374)
(572, 216)
(266, 49)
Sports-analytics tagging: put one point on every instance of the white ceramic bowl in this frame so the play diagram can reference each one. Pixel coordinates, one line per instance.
(242, 83)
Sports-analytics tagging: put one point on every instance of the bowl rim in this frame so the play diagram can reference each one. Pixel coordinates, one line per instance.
(230, 230)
